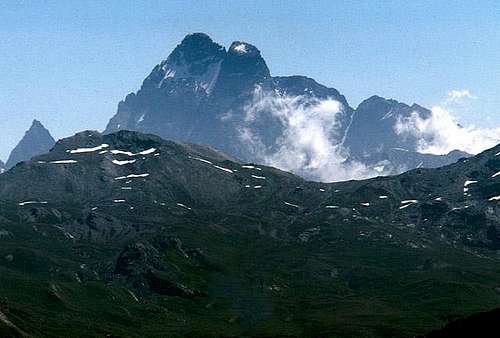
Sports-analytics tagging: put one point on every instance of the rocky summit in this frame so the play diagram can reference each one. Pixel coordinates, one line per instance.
(228, 99)
(203, 93)
(126, 234)
(37, 140)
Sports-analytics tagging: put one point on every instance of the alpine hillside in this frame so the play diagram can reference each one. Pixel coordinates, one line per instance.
(126, 234)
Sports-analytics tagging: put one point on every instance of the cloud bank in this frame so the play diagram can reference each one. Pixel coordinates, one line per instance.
(309, 142)
(441, 132)
(309, 135)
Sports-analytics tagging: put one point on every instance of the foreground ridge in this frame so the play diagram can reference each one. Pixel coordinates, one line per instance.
(137, 235)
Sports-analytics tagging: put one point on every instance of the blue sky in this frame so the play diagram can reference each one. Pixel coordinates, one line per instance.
(69, 63)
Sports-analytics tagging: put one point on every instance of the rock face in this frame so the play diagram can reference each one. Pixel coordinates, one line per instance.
(227, 99)
(373, 128)
(373, 138)
(202, 93)
(37, 140)
(128, 225)
(2, 167)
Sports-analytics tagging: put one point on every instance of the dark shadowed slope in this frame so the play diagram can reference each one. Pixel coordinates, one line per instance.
(484, 324)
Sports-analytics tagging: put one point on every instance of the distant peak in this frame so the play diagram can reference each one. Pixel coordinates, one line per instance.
(36, 124)
(37, 127)
(37, 140)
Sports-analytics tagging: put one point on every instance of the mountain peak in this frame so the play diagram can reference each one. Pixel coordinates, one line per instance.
(197, 36)
(242, 68)
(36, 125)
(37, 140)
(196, 47)
(197, 57)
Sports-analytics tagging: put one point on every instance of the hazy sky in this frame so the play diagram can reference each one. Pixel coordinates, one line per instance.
(69, 63)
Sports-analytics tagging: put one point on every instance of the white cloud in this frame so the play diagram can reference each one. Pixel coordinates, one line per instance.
(308, 143)
(441, 133)
(458, 96)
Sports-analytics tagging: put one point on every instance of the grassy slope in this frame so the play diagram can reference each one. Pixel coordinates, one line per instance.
(346, 286)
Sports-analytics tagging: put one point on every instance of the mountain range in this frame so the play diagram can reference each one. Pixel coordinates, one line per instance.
(227, 99)
(126, 234)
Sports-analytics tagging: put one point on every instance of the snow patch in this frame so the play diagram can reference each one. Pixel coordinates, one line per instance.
(32, 202)
(224, 169)
(131, 176)
(200, 159)
(128, 153)
(64, 162)
(88, 150)
(291, 205)
(241, 48)
(407, 203)
(183, 206)
(117, 162)
(466, 184)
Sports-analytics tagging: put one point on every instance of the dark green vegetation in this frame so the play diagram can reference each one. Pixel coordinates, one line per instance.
(196, 244)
